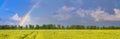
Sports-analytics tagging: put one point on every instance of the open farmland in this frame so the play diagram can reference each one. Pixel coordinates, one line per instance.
(59, 34)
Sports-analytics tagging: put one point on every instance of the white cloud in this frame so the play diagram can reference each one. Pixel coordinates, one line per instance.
(102, 15)
(82, 12)
(16, 17)
(64, 13)
(61, 17)
(65, 8)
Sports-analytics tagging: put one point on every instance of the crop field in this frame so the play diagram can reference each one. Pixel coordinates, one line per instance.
(59, 34)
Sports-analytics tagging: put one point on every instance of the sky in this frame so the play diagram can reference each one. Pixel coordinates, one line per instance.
(64, 12)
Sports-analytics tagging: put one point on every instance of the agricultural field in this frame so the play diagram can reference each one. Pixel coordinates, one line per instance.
(59, 34)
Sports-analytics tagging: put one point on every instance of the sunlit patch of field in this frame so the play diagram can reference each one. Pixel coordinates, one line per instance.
(59, 34)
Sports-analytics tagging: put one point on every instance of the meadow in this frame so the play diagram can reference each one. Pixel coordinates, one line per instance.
(59, 34)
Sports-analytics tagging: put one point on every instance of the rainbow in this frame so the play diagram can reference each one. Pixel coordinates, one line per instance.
(26, 16)
(4, 4)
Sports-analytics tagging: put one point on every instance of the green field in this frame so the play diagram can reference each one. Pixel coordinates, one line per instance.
(59, 34)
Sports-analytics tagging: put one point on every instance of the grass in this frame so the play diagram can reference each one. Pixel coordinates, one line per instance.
(59, 34)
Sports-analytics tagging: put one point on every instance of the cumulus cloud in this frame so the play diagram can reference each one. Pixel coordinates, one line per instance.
(62, 17)
(64, 13)
(16, 17)
(82, 12)
(65, 8)
(102, 15)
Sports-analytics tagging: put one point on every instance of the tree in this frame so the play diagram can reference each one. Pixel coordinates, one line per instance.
(49, 26)
(92, 27)
(60, 27)
(26, 27)
(37, 26)
(76, 27)
(20, 27)
(31, 26)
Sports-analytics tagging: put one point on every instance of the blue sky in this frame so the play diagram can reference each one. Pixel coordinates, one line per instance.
(64, 12)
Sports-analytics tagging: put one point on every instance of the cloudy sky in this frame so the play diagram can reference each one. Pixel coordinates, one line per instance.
(64, 12)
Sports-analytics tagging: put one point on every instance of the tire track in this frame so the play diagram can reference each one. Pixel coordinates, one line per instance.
(26, 35)
(40, 35)
(36, 35)
(33, 35)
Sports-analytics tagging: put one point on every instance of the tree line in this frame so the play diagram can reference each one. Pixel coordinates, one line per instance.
(53, 26)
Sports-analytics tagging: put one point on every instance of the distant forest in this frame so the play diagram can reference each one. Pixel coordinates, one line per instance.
(53, 26)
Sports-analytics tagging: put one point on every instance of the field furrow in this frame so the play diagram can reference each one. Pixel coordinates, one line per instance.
(59, 34)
